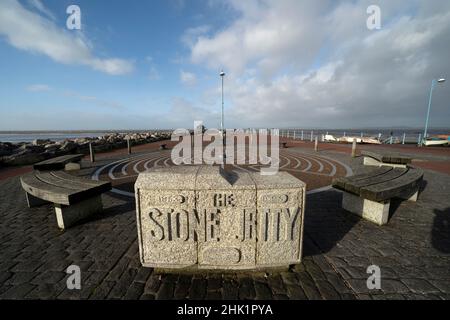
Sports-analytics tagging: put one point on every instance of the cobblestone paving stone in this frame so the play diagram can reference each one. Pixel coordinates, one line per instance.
(412, 250)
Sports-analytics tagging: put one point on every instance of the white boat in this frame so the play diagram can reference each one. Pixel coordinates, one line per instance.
(368, 140)
(349, 139)
(371, 140)
(329, 138)
(435, 142)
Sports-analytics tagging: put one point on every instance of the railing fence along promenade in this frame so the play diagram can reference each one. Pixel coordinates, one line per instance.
(397, 137)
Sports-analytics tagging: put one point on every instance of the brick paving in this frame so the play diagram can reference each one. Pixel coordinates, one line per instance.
(412, 250)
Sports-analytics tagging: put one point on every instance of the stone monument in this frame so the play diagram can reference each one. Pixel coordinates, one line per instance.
(207, 218)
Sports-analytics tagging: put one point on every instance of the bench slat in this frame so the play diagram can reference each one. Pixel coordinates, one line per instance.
(68, 177)
(58, 162)
(66, 191)
(342, 181)
(355, 186)
(406, 183)
(42, 190)
(387, 158)
(47, 177)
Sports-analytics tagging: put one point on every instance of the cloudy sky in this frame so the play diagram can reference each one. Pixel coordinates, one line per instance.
(288, 63)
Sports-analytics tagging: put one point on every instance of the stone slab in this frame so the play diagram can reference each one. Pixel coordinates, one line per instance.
(207, 218)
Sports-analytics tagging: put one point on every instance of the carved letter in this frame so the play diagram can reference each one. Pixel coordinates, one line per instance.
(157, 233)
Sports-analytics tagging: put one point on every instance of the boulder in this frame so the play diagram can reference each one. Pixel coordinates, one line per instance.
(69, 146)
(24, 158)
(39, 142)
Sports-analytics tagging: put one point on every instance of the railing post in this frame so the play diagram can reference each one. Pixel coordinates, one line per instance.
(354, 148)
(91, 151)
(404, 137)
(312, 135)
(302, 135)
(316, 144)
(419, 141)
(129, 145)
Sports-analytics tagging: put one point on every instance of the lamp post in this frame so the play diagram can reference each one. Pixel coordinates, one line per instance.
(434, 82)
(222, 75)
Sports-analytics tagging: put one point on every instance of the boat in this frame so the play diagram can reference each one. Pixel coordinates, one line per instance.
(443, 136)
(367, 140)
(435, 141)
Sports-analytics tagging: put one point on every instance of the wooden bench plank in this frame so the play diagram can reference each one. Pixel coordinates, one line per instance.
(32, 185)
(46, 177)
(355, 186)
(387, 157)
(342, 181)
(68, 177)
(50, 188)
(58, 162)
(406, 183)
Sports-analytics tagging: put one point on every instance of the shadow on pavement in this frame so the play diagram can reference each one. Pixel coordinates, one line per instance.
(326, 223)
(440, 234)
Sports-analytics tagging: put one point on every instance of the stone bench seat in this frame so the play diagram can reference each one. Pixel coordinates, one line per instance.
(67, 162)
(74, 198)
(385, 159)
(369, 194)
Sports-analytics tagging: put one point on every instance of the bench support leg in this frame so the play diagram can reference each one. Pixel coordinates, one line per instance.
(32, 201)
(72, 166)
(410, 196)
(377, 212)
(66, 216)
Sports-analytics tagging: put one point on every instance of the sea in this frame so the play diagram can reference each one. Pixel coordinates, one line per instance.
(410, 133)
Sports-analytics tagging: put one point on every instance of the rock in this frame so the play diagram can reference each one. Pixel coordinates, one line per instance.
(203, 217)
(24, 158)
(69, 146)
(51, 147)
(6, 148)
(39, 142)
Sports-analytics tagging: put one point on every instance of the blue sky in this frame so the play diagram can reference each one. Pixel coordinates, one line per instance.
(145, 64)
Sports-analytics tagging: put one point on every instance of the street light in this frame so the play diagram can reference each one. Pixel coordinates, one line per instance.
(222, 75)
(433, 84)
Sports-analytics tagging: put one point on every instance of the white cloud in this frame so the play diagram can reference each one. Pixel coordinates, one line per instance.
(38, 88)
(188, 78)
(191, 34)
(37, 4)
(310, 63)
(29, 31)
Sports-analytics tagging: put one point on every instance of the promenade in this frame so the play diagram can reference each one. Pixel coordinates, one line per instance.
(412, 250)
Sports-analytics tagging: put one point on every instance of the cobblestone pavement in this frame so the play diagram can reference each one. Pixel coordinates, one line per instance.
(413, 252)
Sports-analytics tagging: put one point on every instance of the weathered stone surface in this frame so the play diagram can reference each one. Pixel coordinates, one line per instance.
(166, 221)
(280, 201)
(209, 218)
(227, 201)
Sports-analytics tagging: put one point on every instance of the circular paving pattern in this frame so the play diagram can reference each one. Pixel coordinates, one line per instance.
(316, 171)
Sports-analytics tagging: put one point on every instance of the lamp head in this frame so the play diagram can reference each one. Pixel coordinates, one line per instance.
(222, 73)
(441, 80)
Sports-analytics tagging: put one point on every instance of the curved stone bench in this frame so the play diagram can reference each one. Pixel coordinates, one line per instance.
(385, 159)
(74, 198)
(369, 194)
